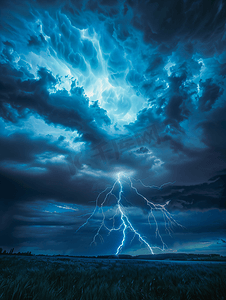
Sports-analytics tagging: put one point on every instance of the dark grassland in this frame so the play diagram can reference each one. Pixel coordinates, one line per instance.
(55, 278)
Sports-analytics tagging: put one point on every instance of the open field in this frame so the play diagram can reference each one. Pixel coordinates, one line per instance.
(43, 278)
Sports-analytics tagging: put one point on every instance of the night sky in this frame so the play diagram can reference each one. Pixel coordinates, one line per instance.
(92, 89)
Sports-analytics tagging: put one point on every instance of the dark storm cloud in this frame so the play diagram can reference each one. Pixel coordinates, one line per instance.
(166, 23)
(211, 92)
(176, 103)
(52, 181)
(214, 129)
(149, 63)
(20, 98)
(68, 43)
(199, 197)
(223, 70)
(48, 180)
(175, 110)
(23, 148)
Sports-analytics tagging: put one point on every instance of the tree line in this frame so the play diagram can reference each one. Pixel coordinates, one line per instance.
(11, 252)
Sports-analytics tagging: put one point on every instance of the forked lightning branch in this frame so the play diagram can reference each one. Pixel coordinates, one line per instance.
(125, 224)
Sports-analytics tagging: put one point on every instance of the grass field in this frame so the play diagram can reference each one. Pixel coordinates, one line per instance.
(43, 278)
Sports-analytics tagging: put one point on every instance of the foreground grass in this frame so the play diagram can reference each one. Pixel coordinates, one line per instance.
(52, 278)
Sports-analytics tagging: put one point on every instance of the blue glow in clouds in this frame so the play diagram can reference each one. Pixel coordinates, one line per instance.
(93, 88)
(125, 223)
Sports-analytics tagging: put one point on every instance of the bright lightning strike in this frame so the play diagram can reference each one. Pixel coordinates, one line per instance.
(125, 223)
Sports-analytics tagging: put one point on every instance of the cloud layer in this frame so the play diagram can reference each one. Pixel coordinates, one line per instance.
(92, 88)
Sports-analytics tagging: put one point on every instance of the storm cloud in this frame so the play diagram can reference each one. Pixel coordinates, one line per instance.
(89, 89)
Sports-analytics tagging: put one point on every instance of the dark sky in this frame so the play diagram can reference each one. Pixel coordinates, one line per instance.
(93, 89)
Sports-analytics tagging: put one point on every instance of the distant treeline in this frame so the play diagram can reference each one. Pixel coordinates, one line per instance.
(170, 256)
(164, 256)
(11, 252)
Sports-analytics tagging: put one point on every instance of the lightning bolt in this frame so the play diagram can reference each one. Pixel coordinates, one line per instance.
(125, 223)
